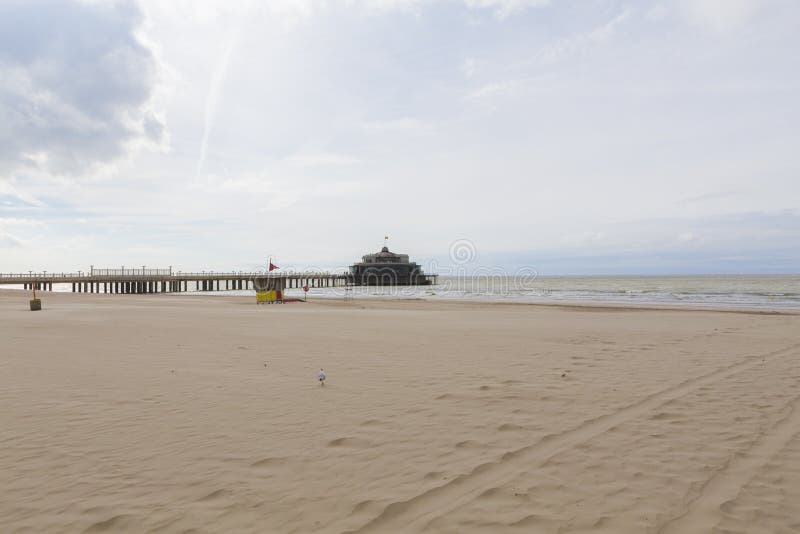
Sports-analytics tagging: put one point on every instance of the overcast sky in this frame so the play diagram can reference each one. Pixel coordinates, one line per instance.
(586, 136)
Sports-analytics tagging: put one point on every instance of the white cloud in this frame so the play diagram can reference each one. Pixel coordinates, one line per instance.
(504, 8)
(402, 125)
(469, 66)
(566, 47)
(720, 15)
(491, 94)
(213, 96)
(75, 85)
(321, 159)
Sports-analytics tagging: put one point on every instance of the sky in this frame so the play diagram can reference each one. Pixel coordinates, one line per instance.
(568, 137)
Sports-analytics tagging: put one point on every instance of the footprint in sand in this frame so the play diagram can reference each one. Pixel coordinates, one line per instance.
(269, 462)
(371, 422)
(434, 475)
(348, 442)
(117, 523)
(214, 495)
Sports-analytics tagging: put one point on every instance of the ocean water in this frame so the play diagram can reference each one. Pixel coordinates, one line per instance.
(730, 291)
(758, 291)
(739, 291)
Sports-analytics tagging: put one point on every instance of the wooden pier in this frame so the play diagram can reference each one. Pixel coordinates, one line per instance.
(140, 281)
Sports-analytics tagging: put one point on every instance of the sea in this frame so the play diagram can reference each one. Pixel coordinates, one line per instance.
(728, 291)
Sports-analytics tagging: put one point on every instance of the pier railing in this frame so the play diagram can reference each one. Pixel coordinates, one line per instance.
(168, 281)
(161, 273)
(130, 272)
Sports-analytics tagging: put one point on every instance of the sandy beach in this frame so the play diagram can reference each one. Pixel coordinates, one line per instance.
(168, 413)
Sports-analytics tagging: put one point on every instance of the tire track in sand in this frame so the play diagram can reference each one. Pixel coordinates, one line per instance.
(414, 514)
(704, 512)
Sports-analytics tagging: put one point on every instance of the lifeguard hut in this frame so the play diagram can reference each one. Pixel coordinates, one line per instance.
(269, 289)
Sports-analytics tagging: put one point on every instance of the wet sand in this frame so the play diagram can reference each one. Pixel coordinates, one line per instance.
(169, 413)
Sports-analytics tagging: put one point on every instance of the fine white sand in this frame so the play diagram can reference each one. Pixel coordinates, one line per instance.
(169, 413)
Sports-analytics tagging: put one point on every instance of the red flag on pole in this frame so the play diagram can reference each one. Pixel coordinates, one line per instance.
(272, 266)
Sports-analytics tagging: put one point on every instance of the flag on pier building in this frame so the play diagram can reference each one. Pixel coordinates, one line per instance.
(272, 266)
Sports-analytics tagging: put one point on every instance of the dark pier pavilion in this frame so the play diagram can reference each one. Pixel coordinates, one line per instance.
(386, 268)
